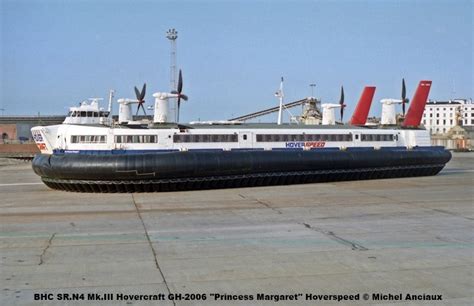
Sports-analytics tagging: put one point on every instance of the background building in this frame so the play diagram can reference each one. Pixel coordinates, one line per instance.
(451, 123)
(440, 116)
(15, 129)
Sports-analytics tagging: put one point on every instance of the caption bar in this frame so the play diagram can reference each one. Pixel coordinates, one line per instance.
(235, 297)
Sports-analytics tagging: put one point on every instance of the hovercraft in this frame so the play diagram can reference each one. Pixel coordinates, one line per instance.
(91, 153)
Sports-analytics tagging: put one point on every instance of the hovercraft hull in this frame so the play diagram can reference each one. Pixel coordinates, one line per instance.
(171, 171)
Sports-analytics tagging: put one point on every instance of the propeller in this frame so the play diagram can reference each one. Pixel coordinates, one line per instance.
(404, 97)
(178, 92)
(140, 98)
(341, 102)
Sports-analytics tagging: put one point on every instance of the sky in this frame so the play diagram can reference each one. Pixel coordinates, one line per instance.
(55, 54)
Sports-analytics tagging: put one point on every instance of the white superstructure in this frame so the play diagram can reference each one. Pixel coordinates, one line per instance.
(87, 133)
(88, 113)
(90, 135)
(76, 138)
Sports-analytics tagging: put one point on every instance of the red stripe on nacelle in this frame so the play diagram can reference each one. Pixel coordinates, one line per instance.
(417, 105)
(363, 106)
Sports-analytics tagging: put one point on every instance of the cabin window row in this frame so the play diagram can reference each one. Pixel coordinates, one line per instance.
(136, 138)
(376, 137)
(88, 139)
(205, 138)
(88, 114)
(303, 137)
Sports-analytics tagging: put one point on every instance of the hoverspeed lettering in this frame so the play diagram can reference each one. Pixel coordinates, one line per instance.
(332, 297)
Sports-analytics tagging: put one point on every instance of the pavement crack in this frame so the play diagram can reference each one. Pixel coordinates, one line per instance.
(450, 213)
(46, 248)
(331, 235)
(155, 257)
(268, 206)
(262, 203)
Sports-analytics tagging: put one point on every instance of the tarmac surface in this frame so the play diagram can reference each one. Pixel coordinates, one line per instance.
(394, 236)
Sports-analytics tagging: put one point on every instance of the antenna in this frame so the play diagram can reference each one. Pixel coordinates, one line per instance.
(172, 35)
(312, 85)
(279, 94)
(111, 97)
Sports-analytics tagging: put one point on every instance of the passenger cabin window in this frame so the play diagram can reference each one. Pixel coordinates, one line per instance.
(88, 139)
(303, 137)
(205, 138)
(377, 137)
(136, 138)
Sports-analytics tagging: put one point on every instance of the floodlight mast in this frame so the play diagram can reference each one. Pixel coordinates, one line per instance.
(172, 35)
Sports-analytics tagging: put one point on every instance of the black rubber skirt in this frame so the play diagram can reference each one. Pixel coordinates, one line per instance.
(173, 171)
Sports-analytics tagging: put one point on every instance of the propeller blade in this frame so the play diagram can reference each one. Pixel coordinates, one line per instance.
(180, 82)
(138, 109)
(404, 96)
(142, 96)
(178, 91)
(137, 93)
(404, 90)
(177, 116)
(341, 100)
